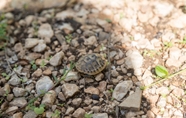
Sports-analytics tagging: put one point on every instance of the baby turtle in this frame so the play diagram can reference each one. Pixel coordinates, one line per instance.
(91, 64)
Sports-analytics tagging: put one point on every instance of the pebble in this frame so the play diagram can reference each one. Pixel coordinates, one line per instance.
(126, 23)
(11, 108)
(18, 92)
(47, 72)
(90, 41)
(96, 109)
(178, 21)
(40, 47)
(162, 91)
(114, 73)
(29, 19)
(44, 84)
(31, 42)
(14, 80)
(69, 110)
(37, 73)
(45, 31)
(56, 59)
(64, 14)
(18, 47)
(95, 97)
(79, 113)
(18, 115)
(99, 77)
(174, 53)
(163, 5)
(133, 101)
(91, 90)
(121, 89)
(61, 96)
(77, 101)
(102, 86)
(72, 76)
(69, 89)
(100, 115)
(19, 102)
(30, 114)
(49, 98)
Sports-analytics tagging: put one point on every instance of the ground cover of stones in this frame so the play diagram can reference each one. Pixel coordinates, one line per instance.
(136, 35)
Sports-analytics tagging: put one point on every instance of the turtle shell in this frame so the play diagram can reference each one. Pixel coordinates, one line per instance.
(91, 64)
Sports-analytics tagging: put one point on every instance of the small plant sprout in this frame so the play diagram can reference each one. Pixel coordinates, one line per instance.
(34, 66)
(43, 64)
(183, 41)
(88, 115)
(121, 15)
(102, 48)
(111, 90)
(68, 38)
(7, 77)
(167, 45)
(39, 110)
(56, 114)
(108, 20)
(163, 74)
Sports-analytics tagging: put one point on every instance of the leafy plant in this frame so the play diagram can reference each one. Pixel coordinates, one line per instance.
(88, 115)
(7, 77)
(184, 40)
(163, 74)
(43, 64)
(68, 38)
(56, 114)
(39, 110)
(111, 90)
(34, 66)
(167, 45)
(3, 34)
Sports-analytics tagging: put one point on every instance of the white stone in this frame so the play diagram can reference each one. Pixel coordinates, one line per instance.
(100, 115)
(90, 41)
(72, 76)
(69, 89)
(45, 31)
(40, 47)
(31, 42)
(163, 9)
(56, 59)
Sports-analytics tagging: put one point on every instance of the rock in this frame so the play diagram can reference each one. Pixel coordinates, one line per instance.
(171, 62)
(92, 90)
(147, 78)
(90, 41)
(56, 59)
(174, 53)
(33, 56)
(102, 86)
(10, 97)
(77, 101)
(130, 114)
(31, 42)
(64, 14)
(100, 115)
(18, 47)
(29, 19)
(121, 89)
(133, 101)
(178, 21)
(15, 80)
(41, 62)
(103, 36)
(114, 73)
(162, 90)
(67, 28)
(37, 73)
(11, 109)
(163, 5)
(47, 72)
(69, 89)
(49, 98)
(44, 84)
(72, 76)
(161, 102)
(99, 77)
(79, 113)
(61, 96)
(88, 33)
(18, 92)
(30, 114)
(40, 47)
(69, 110)
(19, 102)
(9, 15)
(45, 31)
(96, 109)
(95, 97)
(144, 17)
(18, 115)
(126, 23)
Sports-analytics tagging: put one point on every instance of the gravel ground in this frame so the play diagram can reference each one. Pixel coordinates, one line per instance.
(134, 37)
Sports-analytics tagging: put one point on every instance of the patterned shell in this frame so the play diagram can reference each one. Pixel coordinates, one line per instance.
(91, 64)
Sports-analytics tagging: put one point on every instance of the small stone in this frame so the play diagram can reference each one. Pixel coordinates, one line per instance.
(49, 98)
(15, 80)
(56, 59)
(171, 62)
(126, 23)
(30, 114)
(18, 47)
(96, 109)
(10, 97)
(103, 36)
(114, 73)
(77, 101)
(99, 77)
(164, 5)
(69, 110)
(92, 90)
(120, 62)
(29, 19)
(61, 96)
(90, 41)
(19, 102)
(174, 53)
(102, 86)
(37, 73)
(69, 89)
(161, 102)
(18, 115)
(41, 62)
(130, 114)
(95, 97)
(44, 84)
(72, 76)
(121, 89)
(133, 101)
(100, 115)
(45, 31)
(64, 14)
(40, 47)
(79, 113)
(47, 72)
(162, 90)
(11, 109)
(18, 92)
(31, 42)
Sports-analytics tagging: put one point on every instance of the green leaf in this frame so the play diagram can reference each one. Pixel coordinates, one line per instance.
(39, 110)
(161, 71)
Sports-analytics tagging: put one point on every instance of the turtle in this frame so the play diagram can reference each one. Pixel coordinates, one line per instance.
(91, 64)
